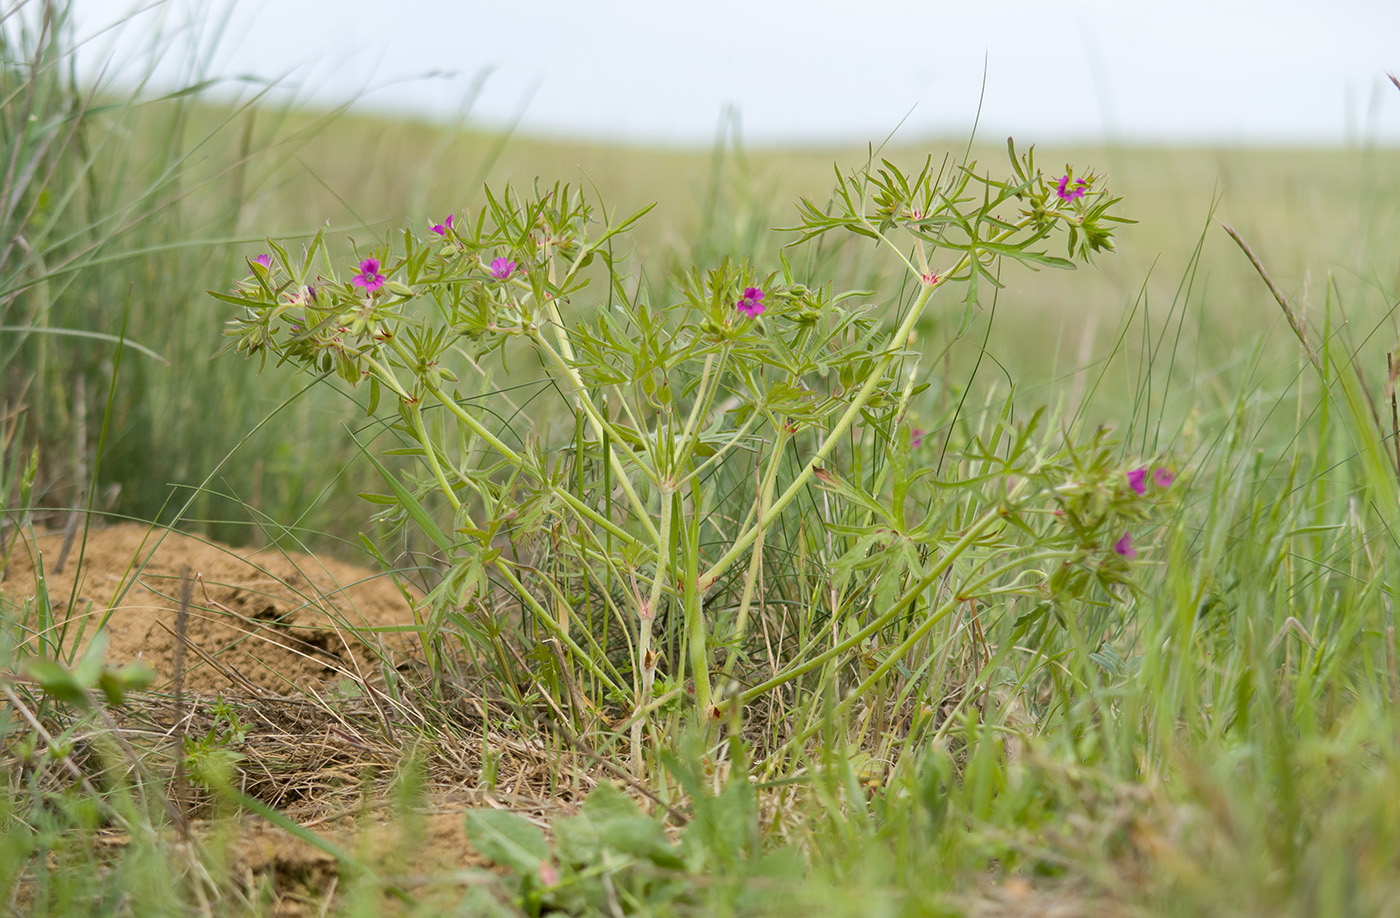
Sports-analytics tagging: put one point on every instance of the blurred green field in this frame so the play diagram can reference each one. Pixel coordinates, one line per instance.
(1315, 217)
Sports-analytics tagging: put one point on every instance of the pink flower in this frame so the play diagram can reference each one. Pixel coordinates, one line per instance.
(1163, 477)
(501, 268)
(1067, 193)
(369, 276)
(443, 228)
(752, 303)
(265, 260)
(1137, 480)
(1124, 547)
(916, 437)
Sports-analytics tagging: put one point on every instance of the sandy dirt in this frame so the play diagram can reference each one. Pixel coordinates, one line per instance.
(267, 621)
(265, 632)
(431, 856)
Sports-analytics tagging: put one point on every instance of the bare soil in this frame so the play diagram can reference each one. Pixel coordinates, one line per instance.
(266, 637)
(269, 621)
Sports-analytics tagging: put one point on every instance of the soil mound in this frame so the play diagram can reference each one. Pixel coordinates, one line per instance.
(270, 620)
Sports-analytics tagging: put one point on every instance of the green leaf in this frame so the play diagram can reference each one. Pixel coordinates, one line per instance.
(239, 300)
(578, 840)
(57, 682)
(411, 504)
(136, 676)
(309, 254)
(723, 829)
(828, 480)
(89, 669)
(971, 304)
(283, 260)
(611, 821)
(508, 839)
(1022, 254)
(111, 687)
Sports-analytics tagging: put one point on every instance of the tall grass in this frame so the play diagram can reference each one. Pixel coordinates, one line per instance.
(97, 253)
(120, 208)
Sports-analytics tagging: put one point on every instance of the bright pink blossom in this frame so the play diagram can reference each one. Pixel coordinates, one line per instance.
(752, 303)
(1137, 480)
(1068, 193)
(501, 268)
(1124, 547)
(264, 259)
(1163, 477)
(369, 276)
(916, 437)
(443, 228)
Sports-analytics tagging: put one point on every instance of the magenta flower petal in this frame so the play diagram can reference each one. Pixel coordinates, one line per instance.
(369, 276)
(1137, 480)
(443, 228)
(916, 437)
(1068, 193)
(752, 303)
(1163, 477)
(501, 268)
(265, 260)
(1124, 547)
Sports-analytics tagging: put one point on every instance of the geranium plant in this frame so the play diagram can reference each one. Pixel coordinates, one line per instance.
(654, 397)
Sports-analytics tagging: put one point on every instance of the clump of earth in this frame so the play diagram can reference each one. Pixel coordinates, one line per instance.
(274, 621)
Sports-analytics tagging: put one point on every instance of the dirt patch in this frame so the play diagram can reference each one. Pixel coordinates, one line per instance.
(429, 855)
(272, 638)
(269, 621)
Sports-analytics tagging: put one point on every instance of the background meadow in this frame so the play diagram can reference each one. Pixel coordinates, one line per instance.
(1218, 739)
(1317, 217)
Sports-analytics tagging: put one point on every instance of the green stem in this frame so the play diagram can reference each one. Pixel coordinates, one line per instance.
(599, 425)
(853, 410)
(811, 663)
(384, 374)
(704, 398)
(516, 459)
(647, 615)
(593, 516)
(739, 434)
(829, 444)
(927, 625)
(430, 451)
(551, 625)
(701, 401)
(695, 626)
(741, 621)
(451, 405)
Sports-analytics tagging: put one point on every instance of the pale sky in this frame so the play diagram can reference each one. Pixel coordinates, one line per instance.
(1177, 71)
